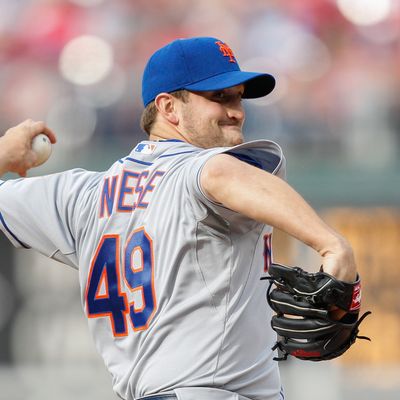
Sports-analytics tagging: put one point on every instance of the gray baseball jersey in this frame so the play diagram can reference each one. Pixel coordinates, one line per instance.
(170, 280)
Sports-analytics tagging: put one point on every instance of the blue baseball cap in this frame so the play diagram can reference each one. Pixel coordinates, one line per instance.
(199, 64)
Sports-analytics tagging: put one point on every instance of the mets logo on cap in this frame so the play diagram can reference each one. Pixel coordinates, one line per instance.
(226, 51)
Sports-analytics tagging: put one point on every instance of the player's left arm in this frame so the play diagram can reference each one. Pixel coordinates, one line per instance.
(16, 154)
(266, 198)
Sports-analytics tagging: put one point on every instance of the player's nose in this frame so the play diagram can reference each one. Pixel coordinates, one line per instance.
(236, 111)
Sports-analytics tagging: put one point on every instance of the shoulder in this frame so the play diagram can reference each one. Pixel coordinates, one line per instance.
(262, 154)
(240, 163)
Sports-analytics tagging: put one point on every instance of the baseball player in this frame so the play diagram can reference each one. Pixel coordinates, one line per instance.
(171, 241)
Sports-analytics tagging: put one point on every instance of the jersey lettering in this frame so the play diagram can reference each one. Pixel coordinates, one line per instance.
(127, 187)
(149, 188)
(140, 190)
(103, 293)
(139, 278)
(107, 196)
(104, 290)
(134, 191)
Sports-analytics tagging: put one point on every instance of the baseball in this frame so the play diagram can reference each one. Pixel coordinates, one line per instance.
(41, 145)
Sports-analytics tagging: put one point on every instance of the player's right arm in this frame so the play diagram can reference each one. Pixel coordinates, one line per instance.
(266, 198)
(16, 153)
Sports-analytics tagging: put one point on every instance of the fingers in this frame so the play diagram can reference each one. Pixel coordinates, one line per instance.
(40, 127)
(50, 134)
(16, 154)
(339, 262)
(33, 128)
(28, 162)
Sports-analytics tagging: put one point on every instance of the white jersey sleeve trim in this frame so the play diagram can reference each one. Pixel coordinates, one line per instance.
(264, 146)
(10, 235)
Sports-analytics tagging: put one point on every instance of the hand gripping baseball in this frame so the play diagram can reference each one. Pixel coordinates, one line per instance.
(303, 302)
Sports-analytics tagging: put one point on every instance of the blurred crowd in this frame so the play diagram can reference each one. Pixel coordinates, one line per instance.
(338, 71)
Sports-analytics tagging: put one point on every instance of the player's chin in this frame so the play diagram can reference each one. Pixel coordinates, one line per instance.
(233, 136)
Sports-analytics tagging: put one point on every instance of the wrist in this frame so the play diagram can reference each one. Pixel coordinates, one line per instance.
(338, 260)
(336, 245)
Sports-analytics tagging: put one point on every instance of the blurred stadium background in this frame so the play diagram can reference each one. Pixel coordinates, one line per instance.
(77, 64)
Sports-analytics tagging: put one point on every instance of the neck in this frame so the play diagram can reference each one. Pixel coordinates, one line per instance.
(163, 136)
(165, 132)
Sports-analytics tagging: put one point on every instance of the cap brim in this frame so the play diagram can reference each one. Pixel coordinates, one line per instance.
(256, 84)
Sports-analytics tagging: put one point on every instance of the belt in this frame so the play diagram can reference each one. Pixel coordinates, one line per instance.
(169, 396)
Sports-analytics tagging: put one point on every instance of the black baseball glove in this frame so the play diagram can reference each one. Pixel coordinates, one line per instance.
(304, 302)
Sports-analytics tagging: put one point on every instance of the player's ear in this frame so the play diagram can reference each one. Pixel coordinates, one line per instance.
(166, 106)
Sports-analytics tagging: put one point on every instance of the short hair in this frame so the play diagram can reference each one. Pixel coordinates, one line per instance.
(150, 112)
